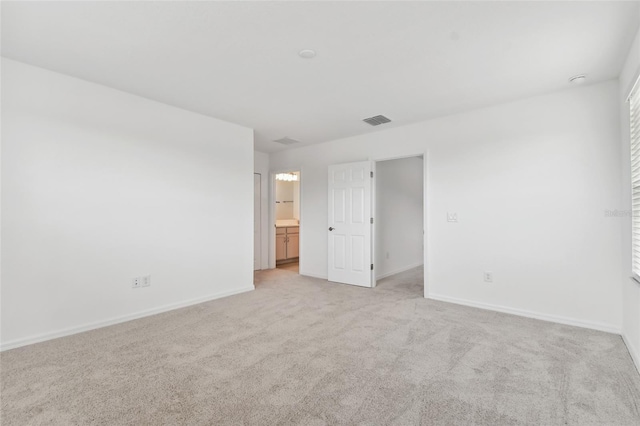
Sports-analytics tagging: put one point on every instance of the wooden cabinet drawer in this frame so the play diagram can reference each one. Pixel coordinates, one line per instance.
(280, 231)
(293, 230)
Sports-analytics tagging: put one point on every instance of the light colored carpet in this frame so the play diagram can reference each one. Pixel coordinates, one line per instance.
(303, 351)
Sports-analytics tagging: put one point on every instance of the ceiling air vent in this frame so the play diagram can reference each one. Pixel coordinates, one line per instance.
(377, 120)
(287, 141)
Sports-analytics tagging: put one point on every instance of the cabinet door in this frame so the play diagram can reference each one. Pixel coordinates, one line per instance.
(281, 247)
(293, 245)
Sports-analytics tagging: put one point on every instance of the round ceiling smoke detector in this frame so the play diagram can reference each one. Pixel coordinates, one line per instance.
(577, 79)
(307, 53)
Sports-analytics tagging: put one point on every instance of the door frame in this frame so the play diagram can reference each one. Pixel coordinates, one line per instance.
(260, 213)
(425, 216)
(272, 217)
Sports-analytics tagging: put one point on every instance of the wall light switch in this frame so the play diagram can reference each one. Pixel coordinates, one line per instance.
(452, 217)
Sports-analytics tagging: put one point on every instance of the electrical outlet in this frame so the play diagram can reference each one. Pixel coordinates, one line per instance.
(146, 281)
(452, 217)
(136, 282)
(488, 277)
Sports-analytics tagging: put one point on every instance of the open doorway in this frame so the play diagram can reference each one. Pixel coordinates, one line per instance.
(287, 221)
(399, 224)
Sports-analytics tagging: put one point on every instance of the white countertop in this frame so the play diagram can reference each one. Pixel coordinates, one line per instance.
(282, 223)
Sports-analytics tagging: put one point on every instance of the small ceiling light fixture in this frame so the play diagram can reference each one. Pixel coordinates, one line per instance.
(287, 141)
(307, 53)
(578, 79)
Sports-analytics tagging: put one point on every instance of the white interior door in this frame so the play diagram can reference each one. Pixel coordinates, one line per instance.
(349, 228)
(257, 222)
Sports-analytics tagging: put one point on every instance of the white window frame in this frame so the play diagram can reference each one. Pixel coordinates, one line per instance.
(634, 146)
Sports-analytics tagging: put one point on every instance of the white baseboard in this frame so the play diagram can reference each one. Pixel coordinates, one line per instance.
(388, 274)
(306, 274)
(397, 271)
(529, 314)
(633, 351)
(16, 343)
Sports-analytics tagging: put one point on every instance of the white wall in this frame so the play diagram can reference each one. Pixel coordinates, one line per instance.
(630, 288)
(529, 180)
(398, 215)
(100, 186)
(261, 165)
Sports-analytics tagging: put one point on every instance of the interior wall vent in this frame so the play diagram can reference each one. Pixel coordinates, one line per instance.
(377, 120)
(287, 141)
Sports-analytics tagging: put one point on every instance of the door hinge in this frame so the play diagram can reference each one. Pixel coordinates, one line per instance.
(371, 220)
(372, 266)
(371, 174)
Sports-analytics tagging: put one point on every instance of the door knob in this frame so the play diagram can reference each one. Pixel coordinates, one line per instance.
(331, 228)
